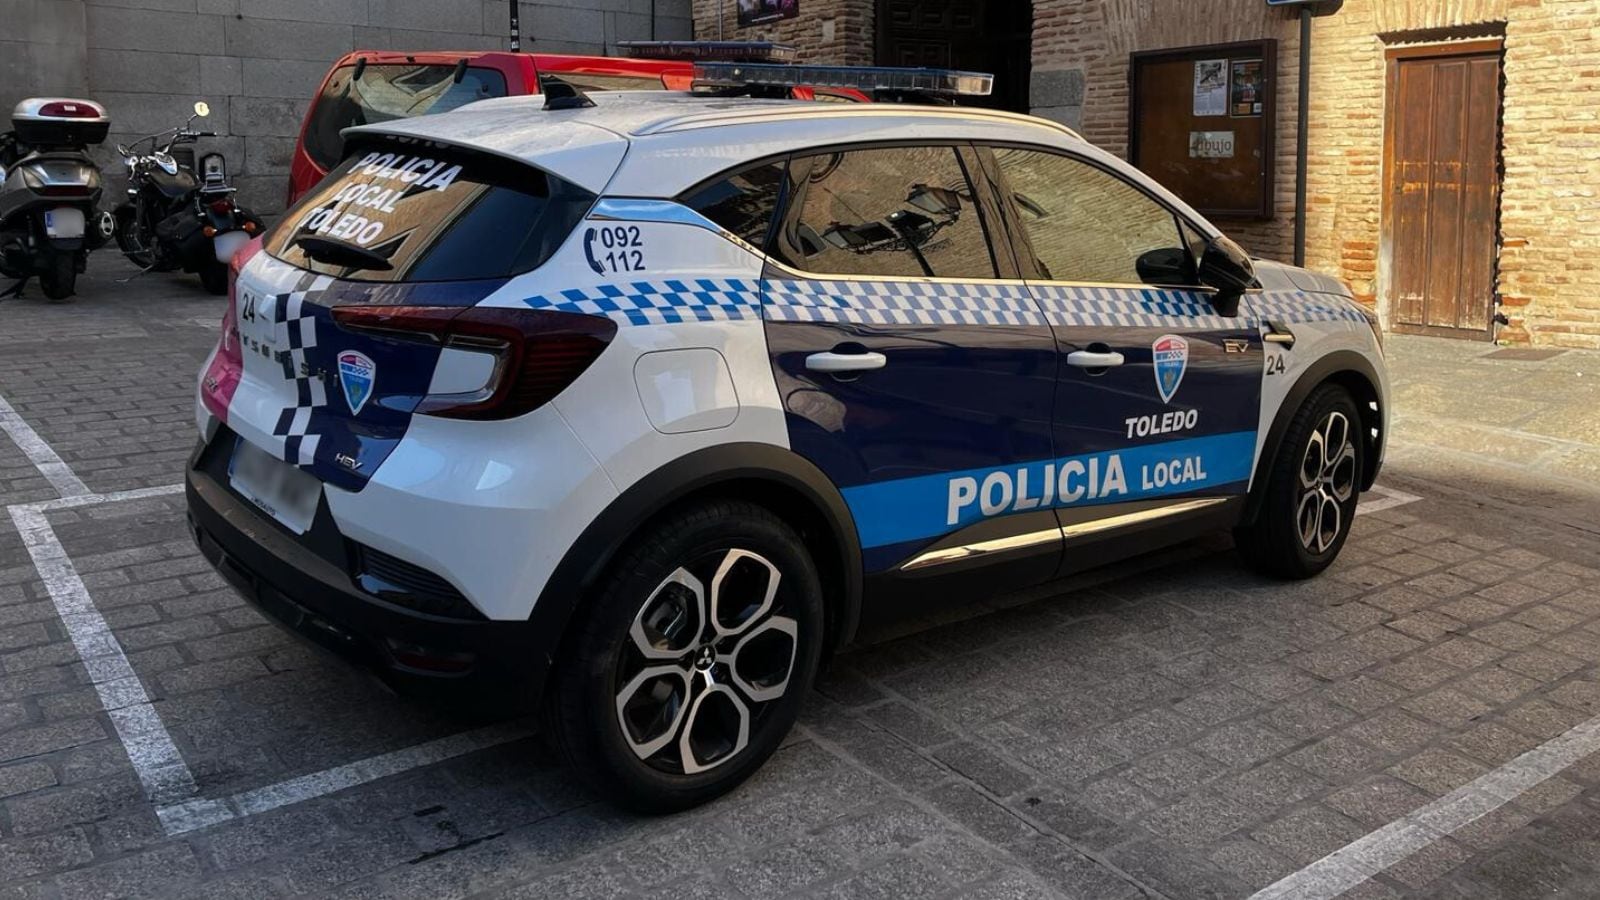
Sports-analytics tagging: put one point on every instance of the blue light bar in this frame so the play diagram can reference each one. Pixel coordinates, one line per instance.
(694, 51)
(945, 82)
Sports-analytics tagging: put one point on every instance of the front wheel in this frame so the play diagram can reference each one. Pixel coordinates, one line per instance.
(690, 663)
(59, 280)
(1312, 489)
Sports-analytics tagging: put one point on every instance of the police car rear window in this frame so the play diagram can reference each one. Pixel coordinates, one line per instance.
(421, 212)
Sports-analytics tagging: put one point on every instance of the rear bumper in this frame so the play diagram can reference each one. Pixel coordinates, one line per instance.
(304, 584)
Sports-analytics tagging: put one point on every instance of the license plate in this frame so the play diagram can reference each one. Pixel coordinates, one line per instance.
(63, 222)
(282, 491)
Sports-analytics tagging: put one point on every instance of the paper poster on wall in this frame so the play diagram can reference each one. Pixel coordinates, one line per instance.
(758, 12)
(1247, 89)
(1211, 145)
(1210, 87)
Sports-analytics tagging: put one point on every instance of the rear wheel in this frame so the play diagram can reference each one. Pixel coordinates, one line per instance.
(59, 280)
(1312, 490)
(692, 659)
(214, 277)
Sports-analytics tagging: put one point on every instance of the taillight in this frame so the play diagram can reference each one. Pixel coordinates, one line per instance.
(222, 207)
(62, 109)
(536, 353)
(65, 190)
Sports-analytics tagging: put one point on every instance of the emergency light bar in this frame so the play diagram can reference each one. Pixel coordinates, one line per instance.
(915, 82)
(693, 51)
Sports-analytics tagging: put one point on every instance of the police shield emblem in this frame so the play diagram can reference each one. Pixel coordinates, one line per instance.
(1171, 354)
(356, 374)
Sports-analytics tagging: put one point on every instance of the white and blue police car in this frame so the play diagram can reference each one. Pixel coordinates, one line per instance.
(634, 405)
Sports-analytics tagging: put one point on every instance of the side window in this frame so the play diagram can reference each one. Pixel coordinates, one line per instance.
(902, 211)
(743, 202)
(1086, 224)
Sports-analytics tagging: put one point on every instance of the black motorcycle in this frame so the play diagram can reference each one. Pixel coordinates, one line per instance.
(174, 219)
(50, 193)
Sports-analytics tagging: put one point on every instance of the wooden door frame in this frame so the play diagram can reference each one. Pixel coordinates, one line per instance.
(1386, 228)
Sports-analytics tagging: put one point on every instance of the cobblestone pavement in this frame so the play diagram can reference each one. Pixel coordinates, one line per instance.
(1170, 728)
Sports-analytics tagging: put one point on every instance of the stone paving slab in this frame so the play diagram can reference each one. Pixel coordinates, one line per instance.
(1173, 727)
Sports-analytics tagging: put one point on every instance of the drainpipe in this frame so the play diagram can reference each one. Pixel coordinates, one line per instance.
(1303, 138)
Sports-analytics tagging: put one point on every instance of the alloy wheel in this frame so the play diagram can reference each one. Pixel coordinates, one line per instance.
(708, 652)
(1327, 482)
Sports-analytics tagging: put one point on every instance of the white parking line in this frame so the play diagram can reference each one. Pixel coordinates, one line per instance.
(40, 453)
(155, 758)
(1354, 863)
(1381, 498)
(160, 767)
(166, 777)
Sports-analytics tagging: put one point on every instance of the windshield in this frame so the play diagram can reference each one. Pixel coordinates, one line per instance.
(420, 211)
(384, 93)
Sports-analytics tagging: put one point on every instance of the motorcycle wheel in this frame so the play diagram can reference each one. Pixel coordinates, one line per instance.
(214, 277)
(59, 280)
(129, 242)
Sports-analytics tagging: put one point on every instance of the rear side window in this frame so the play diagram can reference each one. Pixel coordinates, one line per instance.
(387, 92)
(416, 211)
(899, 212)
(743, 203)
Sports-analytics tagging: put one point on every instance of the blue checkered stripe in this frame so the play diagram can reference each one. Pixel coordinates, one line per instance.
(1099, 307)
(1293, 306)
(666, 302)
(901, 303)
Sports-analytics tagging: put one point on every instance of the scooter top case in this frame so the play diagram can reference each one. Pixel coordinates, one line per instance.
(60, 122)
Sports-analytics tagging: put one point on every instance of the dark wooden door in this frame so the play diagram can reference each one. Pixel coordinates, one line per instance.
(962, 34)
(1444, 187)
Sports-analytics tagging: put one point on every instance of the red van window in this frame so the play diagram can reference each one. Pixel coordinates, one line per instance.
(387, 92)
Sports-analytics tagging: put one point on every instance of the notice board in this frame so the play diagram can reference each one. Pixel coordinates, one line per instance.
(1202, 121)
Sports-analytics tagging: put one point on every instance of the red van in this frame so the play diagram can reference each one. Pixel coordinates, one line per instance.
(370, 86)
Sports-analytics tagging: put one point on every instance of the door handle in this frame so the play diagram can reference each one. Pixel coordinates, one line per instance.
(835, 363)
(1088, 359)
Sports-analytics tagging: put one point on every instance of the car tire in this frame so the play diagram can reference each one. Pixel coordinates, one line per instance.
(1311, 490)
(665, 695)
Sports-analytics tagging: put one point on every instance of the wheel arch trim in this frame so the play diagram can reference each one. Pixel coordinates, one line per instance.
(703, 473)
(1340, 365)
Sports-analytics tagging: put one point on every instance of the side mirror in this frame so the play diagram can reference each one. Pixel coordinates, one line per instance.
(1167, 265)
(1226, 268)
(202, 109)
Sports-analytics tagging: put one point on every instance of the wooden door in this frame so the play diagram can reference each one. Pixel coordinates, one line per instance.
(962, 34)
(1441, 221)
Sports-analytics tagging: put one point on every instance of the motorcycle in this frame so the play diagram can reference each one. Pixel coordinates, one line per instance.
(174, 220)
(50, 193)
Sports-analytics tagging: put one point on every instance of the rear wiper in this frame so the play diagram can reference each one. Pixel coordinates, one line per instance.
(342, 254)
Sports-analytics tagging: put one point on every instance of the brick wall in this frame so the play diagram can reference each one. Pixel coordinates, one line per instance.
(1550, 214)
(834, 32)
(257, 62)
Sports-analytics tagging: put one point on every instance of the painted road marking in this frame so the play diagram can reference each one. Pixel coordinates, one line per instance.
(1354, 863)
(41, 454)
(167, 779)
(1381, 498)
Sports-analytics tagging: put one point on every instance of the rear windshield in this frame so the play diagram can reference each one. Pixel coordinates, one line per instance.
(420, 211)
(387, 92)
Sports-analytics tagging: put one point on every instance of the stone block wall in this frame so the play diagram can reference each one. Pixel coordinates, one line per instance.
(257, 62)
